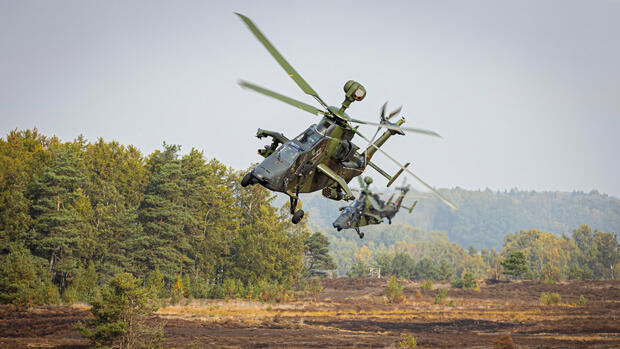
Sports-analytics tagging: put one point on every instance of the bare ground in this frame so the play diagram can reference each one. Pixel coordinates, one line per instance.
(353, 313)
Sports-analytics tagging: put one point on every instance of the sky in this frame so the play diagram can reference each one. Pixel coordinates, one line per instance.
(526, 94)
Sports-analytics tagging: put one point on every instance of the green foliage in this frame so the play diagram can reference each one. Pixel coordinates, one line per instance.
(155, 284)
(484, 217)
(359, 269)
(60, 232)
(118, 313)
(81, 207)
(177, 291)
(217, 292)
(83, 287)
(394, 291)
(315, 287)
(427, 285)
(403, 266)
(317, 254)
(23, 279)
(230, 287)
(440, 297)
(515, 264)
(302, 285)
(467, 282)
(445, 271)
(408, 341)
(550, 298)
(582, 300)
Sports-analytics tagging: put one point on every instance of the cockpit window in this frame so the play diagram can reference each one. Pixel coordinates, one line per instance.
(287, 154)
(309, 138)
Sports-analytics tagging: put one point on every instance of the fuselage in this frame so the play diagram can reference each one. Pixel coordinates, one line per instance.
(292, 167)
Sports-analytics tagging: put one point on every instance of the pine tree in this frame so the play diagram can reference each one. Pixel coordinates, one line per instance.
(163, 243)
(317, 253)
(22, 156)
(117, 313)
(58, 227)
(515, 265)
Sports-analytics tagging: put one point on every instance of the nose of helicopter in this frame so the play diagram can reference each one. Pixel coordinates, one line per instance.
(341, 223)
(261, 175)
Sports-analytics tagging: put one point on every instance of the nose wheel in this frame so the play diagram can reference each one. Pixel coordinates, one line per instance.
(247, 179)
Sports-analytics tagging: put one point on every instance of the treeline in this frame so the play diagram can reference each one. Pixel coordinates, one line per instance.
(585, 255)
(484, 217)
(73, 214)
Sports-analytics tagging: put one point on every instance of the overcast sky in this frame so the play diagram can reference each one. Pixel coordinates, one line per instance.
(525, 93)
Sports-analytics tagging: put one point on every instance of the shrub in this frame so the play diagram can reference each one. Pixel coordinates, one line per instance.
(504, 342)
(186, 284)
(229, 286)
(316, 288)
(394, 291)
(250, 292)
(199, 287)
(216, 292)
(582, 300)
(177, 291)
(268, 291)
(440, 298)
(408, 341)
(427, 285)
(550, 298)
(555, 298)
(119, 314)
(467, 282)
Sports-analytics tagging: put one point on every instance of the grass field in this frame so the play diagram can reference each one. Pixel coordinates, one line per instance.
(354, 313)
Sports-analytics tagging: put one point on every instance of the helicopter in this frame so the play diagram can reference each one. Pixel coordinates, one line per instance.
(368, 208)
(323, 157)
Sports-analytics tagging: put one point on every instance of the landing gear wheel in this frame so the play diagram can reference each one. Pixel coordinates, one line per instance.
(297, 216)
(247, 179)
(359, 233)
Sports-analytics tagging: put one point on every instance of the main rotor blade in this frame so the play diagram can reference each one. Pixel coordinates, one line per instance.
(295, 103)
(446, 201)
(383, 111)
(395, 112)
(396, 128)
(280, 59)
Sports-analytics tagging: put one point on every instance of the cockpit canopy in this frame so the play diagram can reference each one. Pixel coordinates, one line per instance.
(288, 153)
(309, 138)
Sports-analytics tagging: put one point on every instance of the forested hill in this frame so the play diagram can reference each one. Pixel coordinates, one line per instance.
(485, 217)
(68, 209)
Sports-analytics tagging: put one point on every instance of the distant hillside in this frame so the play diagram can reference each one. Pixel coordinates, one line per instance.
(485, 217)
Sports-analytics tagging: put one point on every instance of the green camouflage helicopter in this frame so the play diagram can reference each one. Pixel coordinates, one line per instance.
(370, 209)
(323, 156)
